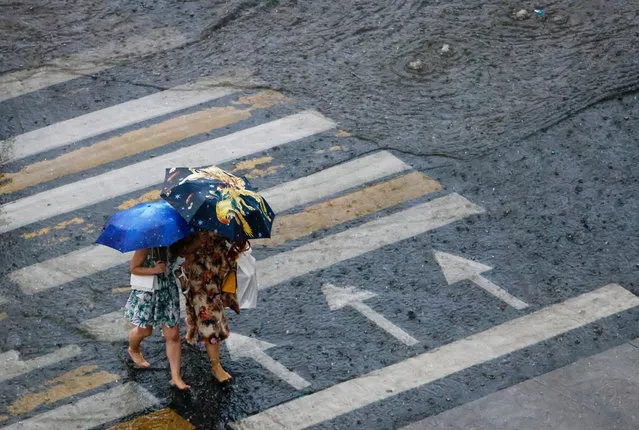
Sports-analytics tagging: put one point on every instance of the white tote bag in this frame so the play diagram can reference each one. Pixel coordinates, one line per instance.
(144, 283)
(246, 280)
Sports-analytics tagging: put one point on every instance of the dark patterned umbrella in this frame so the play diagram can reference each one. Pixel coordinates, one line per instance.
(215, 200)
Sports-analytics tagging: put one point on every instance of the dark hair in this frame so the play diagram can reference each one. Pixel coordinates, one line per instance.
(178, 248)
(237, 248)
(160, 253)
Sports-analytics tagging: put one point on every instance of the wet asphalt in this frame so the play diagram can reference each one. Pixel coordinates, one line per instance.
(535, 121)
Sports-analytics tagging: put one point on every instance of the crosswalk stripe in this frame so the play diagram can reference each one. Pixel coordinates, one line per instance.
(77, 381)
(112, 118)
(87, 261)
(417, 371)
(108, 328)
(147, 173)
(365, 238)
(98, 409)
(94, 60)
(13, 367)
(328, 251)
(137, 141)
(350, 206)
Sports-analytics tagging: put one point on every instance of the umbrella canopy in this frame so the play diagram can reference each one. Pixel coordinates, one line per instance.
(147, 225)
(215, 200)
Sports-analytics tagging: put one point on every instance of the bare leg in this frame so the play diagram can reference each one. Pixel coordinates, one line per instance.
(214, 354)
(174, 354)
(135, 338)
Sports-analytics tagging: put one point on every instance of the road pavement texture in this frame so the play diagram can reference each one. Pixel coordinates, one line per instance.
(450, 223)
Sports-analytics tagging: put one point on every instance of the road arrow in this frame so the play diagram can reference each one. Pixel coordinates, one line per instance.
(459, 269)
(337, 298)
(242, 346)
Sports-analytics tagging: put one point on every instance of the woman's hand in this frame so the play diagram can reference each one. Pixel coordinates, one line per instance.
(159, 268)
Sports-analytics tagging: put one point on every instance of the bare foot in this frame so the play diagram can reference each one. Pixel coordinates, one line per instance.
(220, 374)
(179, 384)
(138, 359)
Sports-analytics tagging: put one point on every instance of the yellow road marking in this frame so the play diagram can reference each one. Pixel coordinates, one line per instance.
(80, 90)
(164, 419)
(332, 148)
(120, 290)
(253, 171)
(59, 226)
(260, 173)
(342, 133)
(2, 316)
(251, 164)
(138, 141)
(4, 417)
(350, 206)
(75, 382)
(263, 99)
(151, 196)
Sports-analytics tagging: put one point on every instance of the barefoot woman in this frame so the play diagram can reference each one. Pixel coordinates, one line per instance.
(208, 262)
(160, 308)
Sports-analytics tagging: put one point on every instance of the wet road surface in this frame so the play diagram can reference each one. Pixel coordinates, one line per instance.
(514, 152)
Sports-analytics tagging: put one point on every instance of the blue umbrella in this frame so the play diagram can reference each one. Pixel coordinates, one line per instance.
(147, 225)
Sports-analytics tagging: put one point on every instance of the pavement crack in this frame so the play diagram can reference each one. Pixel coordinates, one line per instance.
(380, 147)
(231, 15)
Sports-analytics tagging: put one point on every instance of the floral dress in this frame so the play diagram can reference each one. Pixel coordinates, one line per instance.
(159, 308)
(202, 276)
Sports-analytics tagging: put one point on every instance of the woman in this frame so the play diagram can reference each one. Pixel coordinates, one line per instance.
(209, 261)
(160, 308)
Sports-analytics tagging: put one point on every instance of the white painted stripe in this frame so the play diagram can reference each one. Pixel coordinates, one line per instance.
(356, 241)
(454, 357)
(150, 172)
(93, 411)
(11, 366)
(67, 268)
(87, 261)
(87, 62)
(111, 327)
(328, 251)
(112, 118)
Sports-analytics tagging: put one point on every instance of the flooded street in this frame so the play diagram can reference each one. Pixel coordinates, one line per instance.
(441, 171)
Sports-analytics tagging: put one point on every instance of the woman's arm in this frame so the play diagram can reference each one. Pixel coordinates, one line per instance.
(136, 264)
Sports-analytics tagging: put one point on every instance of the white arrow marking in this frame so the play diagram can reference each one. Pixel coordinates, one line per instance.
(337, 298)
(242, 346)
(457, 269)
